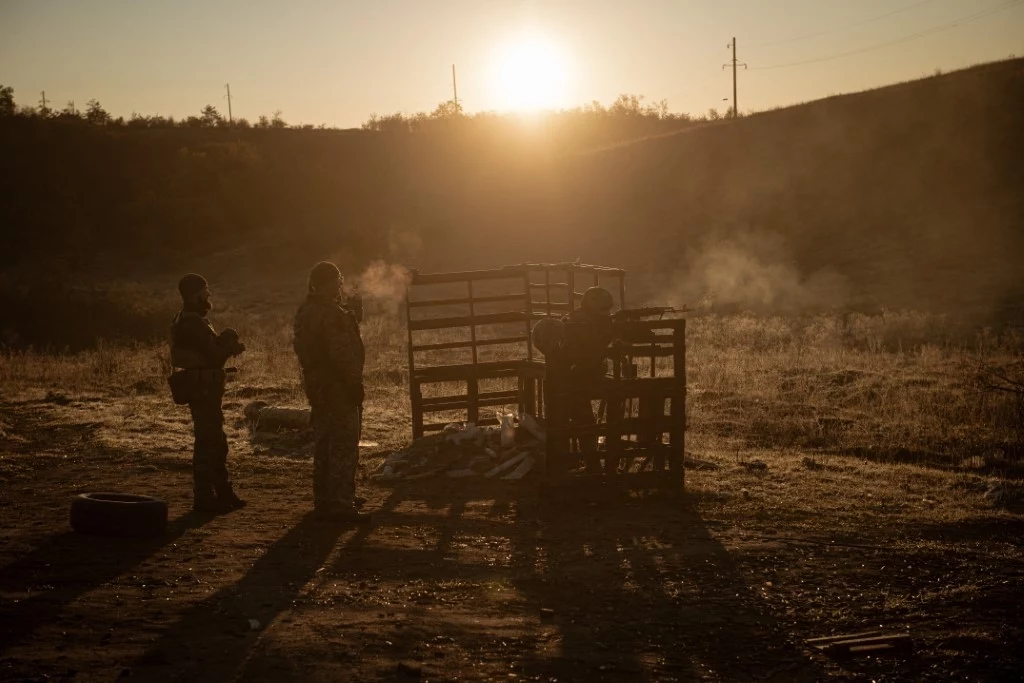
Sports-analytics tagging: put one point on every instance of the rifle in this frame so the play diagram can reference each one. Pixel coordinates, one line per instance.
(636, 314)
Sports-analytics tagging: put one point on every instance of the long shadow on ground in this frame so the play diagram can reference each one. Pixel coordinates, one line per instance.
(502, 582)
(212, 641)
(66, 567)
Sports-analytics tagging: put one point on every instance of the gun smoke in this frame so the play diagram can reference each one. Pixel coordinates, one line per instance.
(383, 286)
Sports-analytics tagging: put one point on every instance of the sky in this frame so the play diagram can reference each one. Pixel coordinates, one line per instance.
(337, 62)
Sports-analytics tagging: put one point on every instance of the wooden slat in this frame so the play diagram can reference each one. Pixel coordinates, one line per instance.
(468, 343)
(467, 321)
(469, 403)
(455, 373)
(665, 387)
(438, 426)
(465, 300)
(464, 276)
(484, 395)
(646, 350)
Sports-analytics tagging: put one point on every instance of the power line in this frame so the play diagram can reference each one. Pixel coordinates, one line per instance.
(897, 41)
(845, 27)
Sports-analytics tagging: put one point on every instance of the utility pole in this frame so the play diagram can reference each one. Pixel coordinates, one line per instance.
(227, 86)
(43, 101)
(734, 63)
(455, 91)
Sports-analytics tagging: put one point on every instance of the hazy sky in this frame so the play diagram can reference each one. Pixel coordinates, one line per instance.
(336, 62)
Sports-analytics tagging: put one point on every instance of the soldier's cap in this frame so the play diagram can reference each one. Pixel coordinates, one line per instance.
(191, 284)
(324, 275)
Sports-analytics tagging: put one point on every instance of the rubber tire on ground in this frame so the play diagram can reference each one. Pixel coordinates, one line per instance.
(118, 514)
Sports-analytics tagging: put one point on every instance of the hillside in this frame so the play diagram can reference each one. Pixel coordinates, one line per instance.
(905, 196)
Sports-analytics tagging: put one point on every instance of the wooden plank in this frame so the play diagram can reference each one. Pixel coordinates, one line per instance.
(507, 273)
(646, 350)
(438, 426)
(509, 396)
(456, 373)
(469, 343)
(849, 636)
(467, 321)
(497, 298)
(666, 387)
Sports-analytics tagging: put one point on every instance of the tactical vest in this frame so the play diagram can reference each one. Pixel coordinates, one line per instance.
(182, 357)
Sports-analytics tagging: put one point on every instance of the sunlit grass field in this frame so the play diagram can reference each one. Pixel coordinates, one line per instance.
(901, 386)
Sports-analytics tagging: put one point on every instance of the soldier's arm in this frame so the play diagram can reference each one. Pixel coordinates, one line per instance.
(342, 341)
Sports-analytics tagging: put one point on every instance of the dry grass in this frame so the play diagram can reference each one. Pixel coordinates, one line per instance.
(887, 387)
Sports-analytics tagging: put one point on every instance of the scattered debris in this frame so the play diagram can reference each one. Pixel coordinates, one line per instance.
(547, 613)
(812, 464)
(756, 466)
(698, 464)
(864, 643)
(466, 451)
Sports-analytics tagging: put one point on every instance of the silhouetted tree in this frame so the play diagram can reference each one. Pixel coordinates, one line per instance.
(446, 110)
(6, 100)
(95, 113)
(277, 121)
(69, 111)
(627, 105)
(210, 117)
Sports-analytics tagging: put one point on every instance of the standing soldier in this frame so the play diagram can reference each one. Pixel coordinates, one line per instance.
(198, 353)
(330, 352)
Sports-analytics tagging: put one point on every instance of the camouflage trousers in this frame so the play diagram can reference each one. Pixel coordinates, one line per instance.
(210, 449)
(337, 424)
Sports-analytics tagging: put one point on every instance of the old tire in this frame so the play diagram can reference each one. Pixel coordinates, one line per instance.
(118, 514)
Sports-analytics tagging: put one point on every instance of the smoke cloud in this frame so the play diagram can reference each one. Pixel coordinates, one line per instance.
(754, 271)
(383, 286)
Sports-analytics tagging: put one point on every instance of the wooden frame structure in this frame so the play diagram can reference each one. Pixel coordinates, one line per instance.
(639, 434)
(500, 317)
(642, 420)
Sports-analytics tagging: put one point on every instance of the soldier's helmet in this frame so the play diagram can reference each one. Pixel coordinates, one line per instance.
(597, 300)
(325, 276)
(191, 284)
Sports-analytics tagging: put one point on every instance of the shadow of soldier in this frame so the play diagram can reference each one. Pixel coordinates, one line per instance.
(73, 564)
(214, 639)
(642, 590)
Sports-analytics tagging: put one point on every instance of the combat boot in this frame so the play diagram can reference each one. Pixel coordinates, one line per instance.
(228, 497)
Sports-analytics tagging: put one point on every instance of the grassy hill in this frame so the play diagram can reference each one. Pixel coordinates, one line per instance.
(904, 196)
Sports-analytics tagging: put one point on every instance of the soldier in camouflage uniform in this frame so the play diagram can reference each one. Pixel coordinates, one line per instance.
(199, 354)
(330, 352)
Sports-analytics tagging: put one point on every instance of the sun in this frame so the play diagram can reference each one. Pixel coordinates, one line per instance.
(529, 74)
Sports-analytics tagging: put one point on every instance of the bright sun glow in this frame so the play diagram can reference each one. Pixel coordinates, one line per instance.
(529, 74)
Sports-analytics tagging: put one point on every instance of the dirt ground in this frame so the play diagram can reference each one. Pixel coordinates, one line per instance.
(458, 580)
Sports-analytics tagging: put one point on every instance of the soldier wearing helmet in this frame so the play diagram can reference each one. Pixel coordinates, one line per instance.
(198, 355)
(331, 355)
(576, 352)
